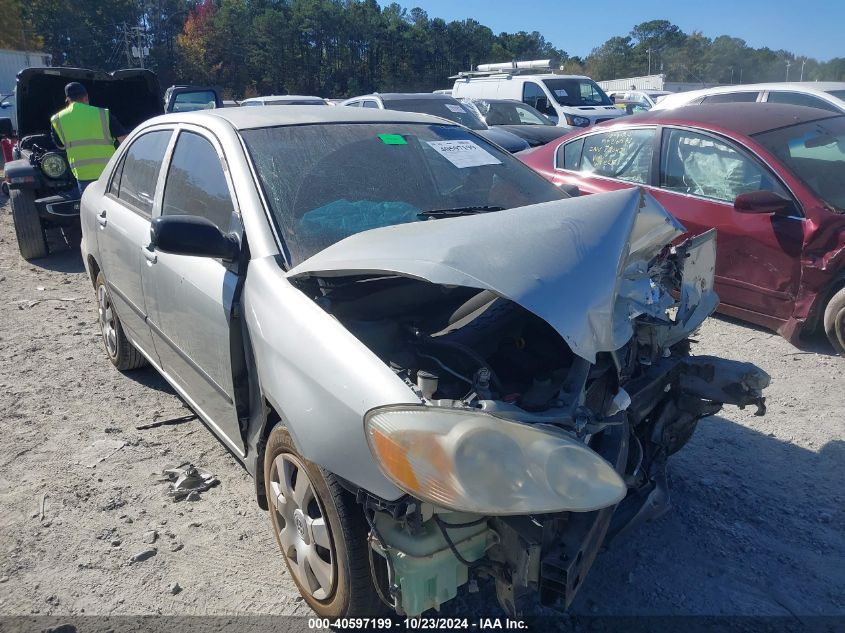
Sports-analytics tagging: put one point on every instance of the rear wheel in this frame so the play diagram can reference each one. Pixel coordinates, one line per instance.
(834, 321)
(31, 241)
(321, 531)
(119, 349)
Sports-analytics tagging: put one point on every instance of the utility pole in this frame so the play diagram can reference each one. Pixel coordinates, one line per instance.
(788, 64)
(732, 74)
(140, 49)
(127, 47)
(649, 60)
(803, 61)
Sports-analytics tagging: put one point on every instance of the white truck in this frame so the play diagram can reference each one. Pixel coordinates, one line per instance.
(11, 63)
(572, 101)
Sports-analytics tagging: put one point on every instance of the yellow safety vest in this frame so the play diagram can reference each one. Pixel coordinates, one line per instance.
(84, 131)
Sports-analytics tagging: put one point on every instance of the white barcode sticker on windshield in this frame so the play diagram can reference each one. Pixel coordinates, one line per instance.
(455, 108)
(464, 153)
(560, 92)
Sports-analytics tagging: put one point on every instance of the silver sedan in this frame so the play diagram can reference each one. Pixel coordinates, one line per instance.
(432, 362)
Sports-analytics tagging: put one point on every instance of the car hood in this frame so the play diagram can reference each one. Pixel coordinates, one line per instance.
(536, 134)
(505, 139)
(580, 264)
(132, 95)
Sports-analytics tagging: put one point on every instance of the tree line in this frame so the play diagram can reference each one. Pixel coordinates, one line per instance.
(348, 47)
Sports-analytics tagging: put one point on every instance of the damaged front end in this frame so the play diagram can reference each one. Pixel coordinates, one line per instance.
(547, 350)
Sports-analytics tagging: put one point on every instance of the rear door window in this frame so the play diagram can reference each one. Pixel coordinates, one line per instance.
(622, 154)
(800, 99)
(140, 170)
(196, 183)
(732, 97)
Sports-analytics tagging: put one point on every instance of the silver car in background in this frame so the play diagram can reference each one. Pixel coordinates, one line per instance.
(434, 365)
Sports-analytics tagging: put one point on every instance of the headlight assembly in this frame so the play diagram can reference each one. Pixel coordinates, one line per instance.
(53, 165)
(578, 121)
(474, 462)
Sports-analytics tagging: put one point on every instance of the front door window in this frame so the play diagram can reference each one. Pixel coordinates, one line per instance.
(701, 165)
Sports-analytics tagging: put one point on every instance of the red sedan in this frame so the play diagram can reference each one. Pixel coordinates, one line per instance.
(769, 177)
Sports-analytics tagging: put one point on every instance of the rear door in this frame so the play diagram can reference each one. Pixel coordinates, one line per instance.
(190, 299)
(124, 227)
(758, 265)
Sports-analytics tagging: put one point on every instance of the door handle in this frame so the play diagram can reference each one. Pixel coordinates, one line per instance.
(101, 219)
(149, 255)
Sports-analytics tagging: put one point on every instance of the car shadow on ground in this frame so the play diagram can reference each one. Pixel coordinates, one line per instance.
(64, 256)
(815, 343)
(762, 538)
(149, 377)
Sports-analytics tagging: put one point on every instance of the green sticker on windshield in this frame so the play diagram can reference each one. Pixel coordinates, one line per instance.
(392, 139)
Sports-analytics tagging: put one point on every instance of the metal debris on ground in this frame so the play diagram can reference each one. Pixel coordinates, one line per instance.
(188, 481)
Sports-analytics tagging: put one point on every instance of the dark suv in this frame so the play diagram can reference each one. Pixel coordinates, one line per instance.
(42, 189)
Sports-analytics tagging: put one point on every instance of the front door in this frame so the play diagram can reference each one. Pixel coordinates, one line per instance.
(124, 224)
(190, 299)
(758, 265)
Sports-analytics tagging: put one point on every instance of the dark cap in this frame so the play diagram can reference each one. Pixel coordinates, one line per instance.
(75, 90)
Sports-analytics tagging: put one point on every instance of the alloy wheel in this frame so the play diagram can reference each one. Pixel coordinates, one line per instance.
(302, 527)
(108, 324)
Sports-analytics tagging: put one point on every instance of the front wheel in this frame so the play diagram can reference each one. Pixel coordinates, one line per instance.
(321, 531)
(834, 321)
(31, 241)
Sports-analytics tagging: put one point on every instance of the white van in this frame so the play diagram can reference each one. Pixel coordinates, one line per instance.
(569, 100)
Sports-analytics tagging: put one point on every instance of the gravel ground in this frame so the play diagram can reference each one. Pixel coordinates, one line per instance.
(756, 528)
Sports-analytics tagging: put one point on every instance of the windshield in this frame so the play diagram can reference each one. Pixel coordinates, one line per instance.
(448, 109)
(839, 94)
(327, 182)
(577, 92)
(815, 153)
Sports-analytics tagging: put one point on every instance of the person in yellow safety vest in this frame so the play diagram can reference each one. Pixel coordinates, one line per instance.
(87, 134)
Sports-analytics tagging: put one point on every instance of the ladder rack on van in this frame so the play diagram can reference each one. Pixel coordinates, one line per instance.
(507, 69)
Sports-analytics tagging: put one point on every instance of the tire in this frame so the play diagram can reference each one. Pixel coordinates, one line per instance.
(834, 321)
(119, 349)
(342, 585)
(31, 241)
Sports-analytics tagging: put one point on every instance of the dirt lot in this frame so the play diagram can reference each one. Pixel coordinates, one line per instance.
(756, 529)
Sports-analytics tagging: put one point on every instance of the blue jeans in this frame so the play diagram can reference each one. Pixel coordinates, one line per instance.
(81, 185)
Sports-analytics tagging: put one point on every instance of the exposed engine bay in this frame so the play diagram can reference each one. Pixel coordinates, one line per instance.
(472, 350)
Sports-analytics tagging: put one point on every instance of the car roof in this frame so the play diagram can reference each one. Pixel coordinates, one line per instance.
(251, 118)
(282, 97)
(407, 96)
(819, 88)
(744, 118)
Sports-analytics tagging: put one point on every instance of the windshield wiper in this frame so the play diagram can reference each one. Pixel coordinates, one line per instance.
(450, 213)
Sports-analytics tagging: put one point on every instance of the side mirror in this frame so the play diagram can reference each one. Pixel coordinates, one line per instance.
(5, 104)
(570, 190)
(6, 130)
(191, 235)
(542, 104)
(762, 202)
